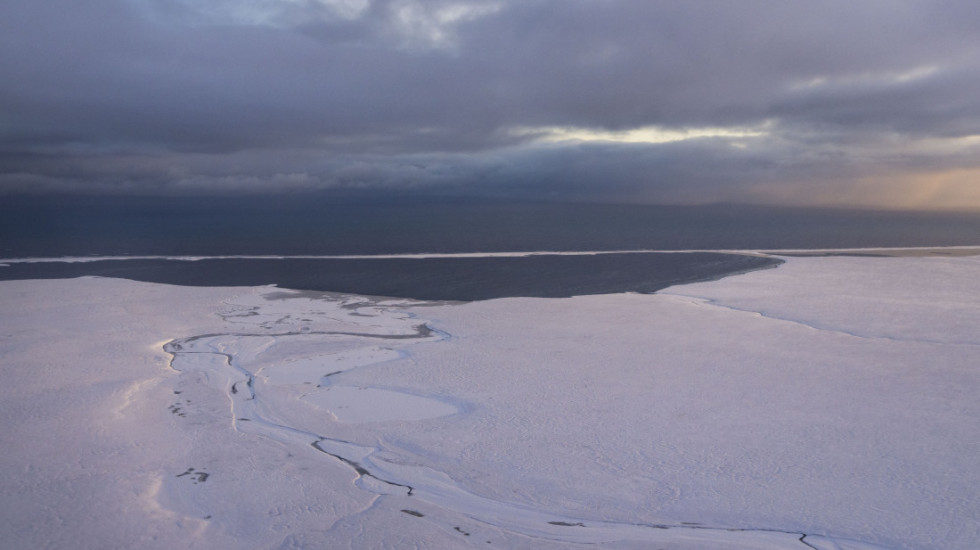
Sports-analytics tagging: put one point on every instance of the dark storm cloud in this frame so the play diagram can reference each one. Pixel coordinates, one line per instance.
(167, 96)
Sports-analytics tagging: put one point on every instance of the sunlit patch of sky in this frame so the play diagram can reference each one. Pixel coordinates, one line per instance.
(953, 190)
(645, 134)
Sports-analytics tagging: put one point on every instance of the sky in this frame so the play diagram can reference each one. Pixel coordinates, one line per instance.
(870, 104)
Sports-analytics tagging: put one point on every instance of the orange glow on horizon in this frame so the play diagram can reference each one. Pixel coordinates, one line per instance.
(948, 190)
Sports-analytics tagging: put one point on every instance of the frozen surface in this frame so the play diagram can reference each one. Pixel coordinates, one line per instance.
(829, 403)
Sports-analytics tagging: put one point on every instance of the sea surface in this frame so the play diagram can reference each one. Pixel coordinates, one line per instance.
(293, 225)
(458, 279)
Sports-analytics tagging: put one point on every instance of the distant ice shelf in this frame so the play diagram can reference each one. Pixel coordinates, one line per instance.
(920, 250)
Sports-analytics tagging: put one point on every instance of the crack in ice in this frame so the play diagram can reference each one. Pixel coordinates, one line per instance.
(716, 303)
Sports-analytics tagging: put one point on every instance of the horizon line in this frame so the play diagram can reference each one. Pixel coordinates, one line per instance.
(513, 254)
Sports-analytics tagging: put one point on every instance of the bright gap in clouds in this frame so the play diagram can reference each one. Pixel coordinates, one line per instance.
(644, 134)
(890, 78)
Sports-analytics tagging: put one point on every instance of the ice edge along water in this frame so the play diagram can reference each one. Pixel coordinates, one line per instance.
(349, 330)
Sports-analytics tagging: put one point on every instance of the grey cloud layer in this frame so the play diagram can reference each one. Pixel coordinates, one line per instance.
(156, 95)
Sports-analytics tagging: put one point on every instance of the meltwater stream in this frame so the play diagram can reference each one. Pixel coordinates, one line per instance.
(294, 344)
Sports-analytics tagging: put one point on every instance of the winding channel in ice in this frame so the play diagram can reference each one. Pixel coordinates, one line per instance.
(277, 370)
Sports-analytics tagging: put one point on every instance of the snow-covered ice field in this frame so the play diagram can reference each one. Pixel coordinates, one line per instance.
(830, 403)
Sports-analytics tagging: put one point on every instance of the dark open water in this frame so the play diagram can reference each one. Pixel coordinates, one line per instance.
(425, 279)
(294, 225)
(310, 225)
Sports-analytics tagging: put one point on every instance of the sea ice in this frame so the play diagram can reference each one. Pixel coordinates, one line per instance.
(828, 403)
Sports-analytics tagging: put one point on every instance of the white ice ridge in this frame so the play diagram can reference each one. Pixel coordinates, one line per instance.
(423, 255)
(826, 404)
